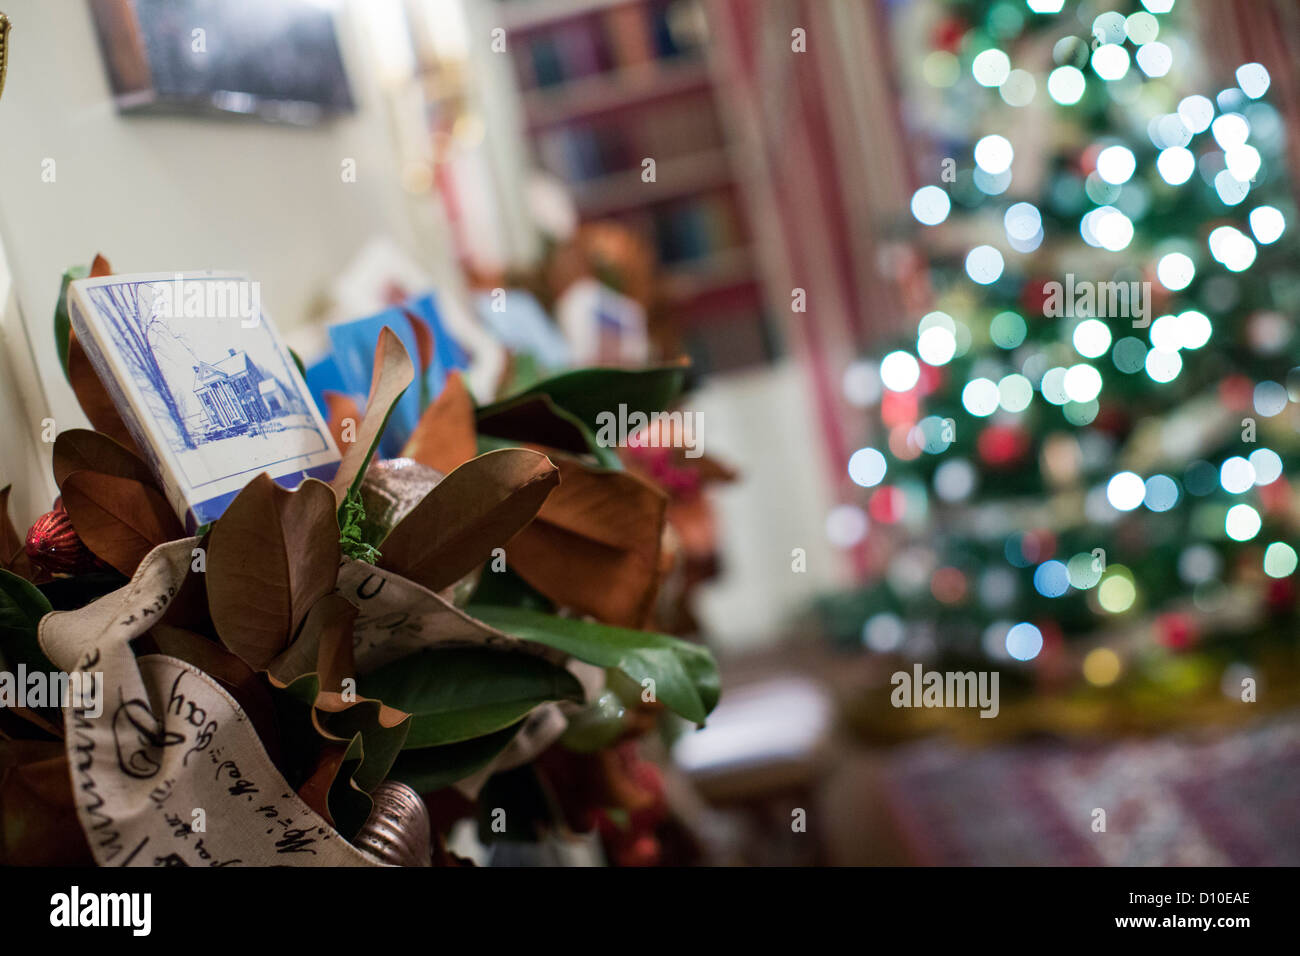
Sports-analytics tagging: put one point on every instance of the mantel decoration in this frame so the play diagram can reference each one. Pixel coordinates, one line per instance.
(330, 675)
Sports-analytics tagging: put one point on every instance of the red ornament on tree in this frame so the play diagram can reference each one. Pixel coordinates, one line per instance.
(1176, 630)
(1001, 446)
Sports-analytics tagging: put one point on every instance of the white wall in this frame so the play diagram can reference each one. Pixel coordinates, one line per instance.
(160, 194)
(760, 423)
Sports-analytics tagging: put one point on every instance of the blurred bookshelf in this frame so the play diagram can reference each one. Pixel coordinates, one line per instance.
(606, 84)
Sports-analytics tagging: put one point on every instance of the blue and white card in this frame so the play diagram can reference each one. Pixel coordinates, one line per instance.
(204, 384)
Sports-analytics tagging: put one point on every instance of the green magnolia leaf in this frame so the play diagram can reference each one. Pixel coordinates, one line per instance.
(685, 675)
(22, 606)
(371, 744)
(459, 693)
(585, 393)
(62, 324)
(539, 420)
(432, 768)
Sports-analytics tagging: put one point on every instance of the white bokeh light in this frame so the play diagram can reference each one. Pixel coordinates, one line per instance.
(991, 67)
(1155, 58)
(1116, 164)
(1091, 338)
(1112, 229)
(1197, 112)
(930, 205)
(1110, 61)
(1082, 382)
(1175, 271)
(1176, 165)
(1162, 367)
(984, 265)
(1253, 79)
(1237, 475)
(980, 397)
(994, 154)
(1066, 84)
(1230, 129)
(867, 467)
(936, 346)
(900, 371)
(1126, 491)
(1242, 522)
(1267, 223)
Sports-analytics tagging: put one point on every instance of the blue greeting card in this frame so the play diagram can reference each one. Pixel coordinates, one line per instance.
(518, 320)
(203, 383)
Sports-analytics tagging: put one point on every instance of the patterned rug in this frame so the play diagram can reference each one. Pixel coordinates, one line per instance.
(1233, 799)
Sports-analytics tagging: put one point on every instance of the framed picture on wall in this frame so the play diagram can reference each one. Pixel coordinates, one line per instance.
(274, 59)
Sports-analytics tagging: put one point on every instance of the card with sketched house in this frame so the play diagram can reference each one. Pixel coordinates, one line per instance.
(204, 384)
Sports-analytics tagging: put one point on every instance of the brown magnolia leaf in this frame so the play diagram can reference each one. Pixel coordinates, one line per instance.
(119, 519)
(315, 790)
(392, 373)
(338, 409)
(93, 397)
(424, 344)
(479, 506)
(271, 556)
(324, 647)
(38, 816)
(80, 449)
(13, 555)
(594, 546)
(208, 656)
(445, 436)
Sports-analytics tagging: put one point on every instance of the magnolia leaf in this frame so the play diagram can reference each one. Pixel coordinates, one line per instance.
(426, 349)
(685, 675)
(271, 556)
(339, 409)
(444, 437)
(586, 393)
(324, 647)
(119, 519)
(80, 449)
(22, 606)
(349, 747)
(478, 507)
(536, 419)
(459, 693)
(38, 816)
(392, 373)
(13, 553)
(594, 546)
(62, 323)
(94, 398)
(433, 768)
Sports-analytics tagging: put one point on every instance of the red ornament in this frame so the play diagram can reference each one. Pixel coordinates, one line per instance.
(1176, 630)
(948, 34)
(1001, 446)
(53, 544)
(1236, 392)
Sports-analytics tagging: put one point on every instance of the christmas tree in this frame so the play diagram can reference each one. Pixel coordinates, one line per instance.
(1081, 460)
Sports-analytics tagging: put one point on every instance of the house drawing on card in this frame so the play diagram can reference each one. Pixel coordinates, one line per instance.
(235, 393)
